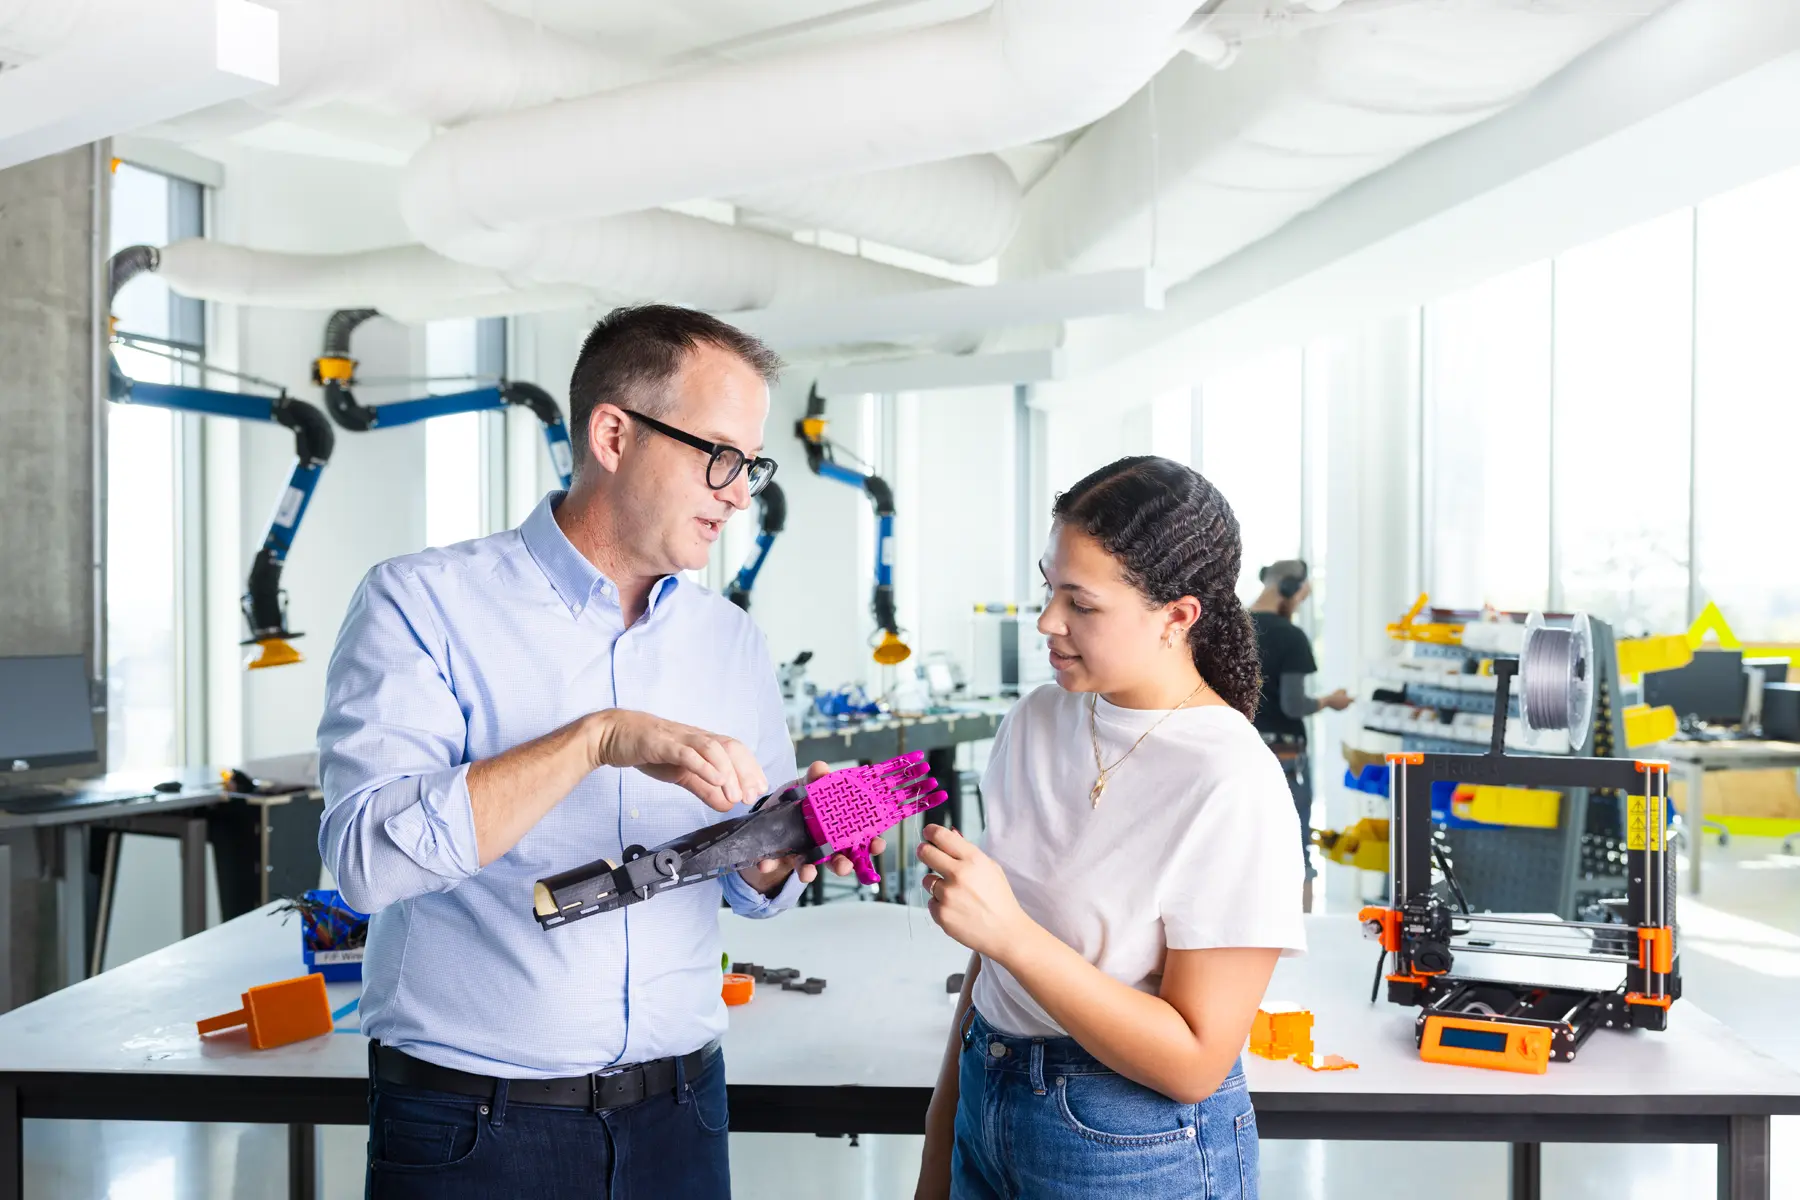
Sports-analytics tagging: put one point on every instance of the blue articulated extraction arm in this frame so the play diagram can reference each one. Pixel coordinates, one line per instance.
(264, 603)
(335, 371)
(821, 459)
(771, 519)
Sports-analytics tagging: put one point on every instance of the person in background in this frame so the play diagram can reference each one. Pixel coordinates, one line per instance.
(1138, 880)
(1287, 659)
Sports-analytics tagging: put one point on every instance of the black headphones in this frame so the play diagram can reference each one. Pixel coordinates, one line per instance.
(1292, 582)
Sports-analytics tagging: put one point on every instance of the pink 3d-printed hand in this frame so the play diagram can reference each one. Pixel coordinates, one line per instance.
(846, 810)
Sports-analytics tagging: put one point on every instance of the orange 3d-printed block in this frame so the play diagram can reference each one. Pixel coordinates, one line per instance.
(738, 989)
(278, 1013)
(1282, 1031)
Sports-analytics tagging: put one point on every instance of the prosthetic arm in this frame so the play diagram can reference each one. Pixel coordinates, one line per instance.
(821, 459)
(264, 603)
(335, 371)
(771, 514)
(837, 813)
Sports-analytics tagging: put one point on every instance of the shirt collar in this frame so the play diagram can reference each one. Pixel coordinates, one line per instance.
(568, 569)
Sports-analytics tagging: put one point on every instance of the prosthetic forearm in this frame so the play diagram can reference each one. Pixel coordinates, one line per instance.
(839, 813)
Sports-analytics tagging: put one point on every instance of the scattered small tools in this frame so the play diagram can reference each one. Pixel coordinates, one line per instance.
(787, 977)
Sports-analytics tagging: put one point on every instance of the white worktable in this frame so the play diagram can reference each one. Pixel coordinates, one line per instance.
(862, 1056)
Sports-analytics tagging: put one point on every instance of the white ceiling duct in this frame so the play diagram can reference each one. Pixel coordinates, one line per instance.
(408, 283)
(1237, 153)
(661, 255)
(1022, 71)
(443, 60)
(960, 210)
(29, 28)
(693, 261)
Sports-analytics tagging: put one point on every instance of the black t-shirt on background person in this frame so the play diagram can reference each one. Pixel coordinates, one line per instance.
(1285, 650)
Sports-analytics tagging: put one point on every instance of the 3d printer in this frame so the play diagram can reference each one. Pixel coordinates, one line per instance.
(1472, 1021)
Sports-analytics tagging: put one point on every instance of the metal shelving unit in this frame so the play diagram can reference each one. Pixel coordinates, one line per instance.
(1512, 869)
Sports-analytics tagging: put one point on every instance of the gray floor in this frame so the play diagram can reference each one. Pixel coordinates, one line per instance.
(1741, 960)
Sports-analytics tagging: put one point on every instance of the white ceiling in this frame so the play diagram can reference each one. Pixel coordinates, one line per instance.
(1184, 174)
(678, 32)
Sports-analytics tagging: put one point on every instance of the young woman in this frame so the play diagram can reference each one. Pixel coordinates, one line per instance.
(1141, 874)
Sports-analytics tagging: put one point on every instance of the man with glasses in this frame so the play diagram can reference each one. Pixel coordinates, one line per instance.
(507, 708)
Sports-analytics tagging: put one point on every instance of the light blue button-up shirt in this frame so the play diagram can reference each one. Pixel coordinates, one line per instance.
(458, 654)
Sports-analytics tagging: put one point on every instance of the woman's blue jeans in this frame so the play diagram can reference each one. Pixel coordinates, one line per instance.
(1042, 1118)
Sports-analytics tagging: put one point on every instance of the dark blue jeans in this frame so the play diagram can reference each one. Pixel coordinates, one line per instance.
(1042, 1119)
(448, 1147)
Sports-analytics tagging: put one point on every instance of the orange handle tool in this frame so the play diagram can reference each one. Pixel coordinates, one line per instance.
(279, 1013)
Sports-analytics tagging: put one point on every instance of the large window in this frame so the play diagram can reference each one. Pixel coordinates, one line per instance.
(1250, 445)
(460, 480)
(1487, 377)
(1747, 406)
(1624, 375)
(143, 472)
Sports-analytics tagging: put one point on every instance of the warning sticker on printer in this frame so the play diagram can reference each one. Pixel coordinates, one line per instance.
(1643, 823)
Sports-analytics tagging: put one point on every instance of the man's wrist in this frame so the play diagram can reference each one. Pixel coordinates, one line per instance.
(595, 737)
(765, 885)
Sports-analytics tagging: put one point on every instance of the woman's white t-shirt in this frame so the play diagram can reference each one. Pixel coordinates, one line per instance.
(1195, 844)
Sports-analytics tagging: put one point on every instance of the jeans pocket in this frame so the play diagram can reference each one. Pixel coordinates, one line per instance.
(708, 1098)
(1110, 1108)
(413, 1134)
(1248, 1154)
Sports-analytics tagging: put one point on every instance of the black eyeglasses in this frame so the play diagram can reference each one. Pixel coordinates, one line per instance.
(725, 461)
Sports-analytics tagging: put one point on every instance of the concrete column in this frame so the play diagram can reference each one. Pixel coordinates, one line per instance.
(51, 426)
(52, 510)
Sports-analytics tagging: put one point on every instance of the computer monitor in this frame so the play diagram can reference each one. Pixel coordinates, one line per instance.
(46, 714)
(1781, 712)
(1774, 670)
(1710, 689)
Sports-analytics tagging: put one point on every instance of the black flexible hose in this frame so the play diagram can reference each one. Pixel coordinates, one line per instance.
(262, 597)
(313, 436)
(340, 326)
(128, 264)
(531, 396)
(771, 508)
(340, 402)
(880, 494)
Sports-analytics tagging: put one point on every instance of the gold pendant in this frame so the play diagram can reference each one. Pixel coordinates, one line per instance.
(1094, 793)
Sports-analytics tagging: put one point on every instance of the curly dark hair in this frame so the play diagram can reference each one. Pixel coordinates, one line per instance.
(1174, 535)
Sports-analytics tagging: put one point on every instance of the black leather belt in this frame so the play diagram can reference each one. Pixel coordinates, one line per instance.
(598, 1092)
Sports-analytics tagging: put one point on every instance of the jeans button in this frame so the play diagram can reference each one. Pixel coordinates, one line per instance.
(997, 1049)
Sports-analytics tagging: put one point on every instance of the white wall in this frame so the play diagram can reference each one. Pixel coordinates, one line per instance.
(369, 504)
(813, 593)
(955, 495)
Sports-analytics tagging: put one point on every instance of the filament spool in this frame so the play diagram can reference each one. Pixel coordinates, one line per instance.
(1556, 677)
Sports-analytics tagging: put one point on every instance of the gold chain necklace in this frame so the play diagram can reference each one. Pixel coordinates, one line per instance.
(1094, 732)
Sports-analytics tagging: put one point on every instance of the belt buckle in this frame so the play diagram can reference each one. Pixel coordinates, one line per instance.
(597, 1087)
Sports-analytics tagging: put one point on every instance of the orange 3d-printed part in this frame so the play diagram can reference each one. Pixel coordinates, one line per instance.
(738, 989)
(1282, 1032)
(278, 1013)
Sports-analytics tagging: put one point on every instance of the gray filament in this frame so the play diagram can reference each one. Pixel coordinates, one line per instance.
(1546, 678)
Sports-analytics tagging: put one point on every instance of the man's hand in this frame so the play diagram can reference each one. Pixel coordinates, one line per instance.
(970, 897)
(770, 874)
(721, 771)
(1340, 700)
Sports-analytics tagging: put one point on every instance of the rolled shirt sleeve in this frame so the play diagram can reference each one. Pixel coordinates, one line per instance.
(397, 820)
